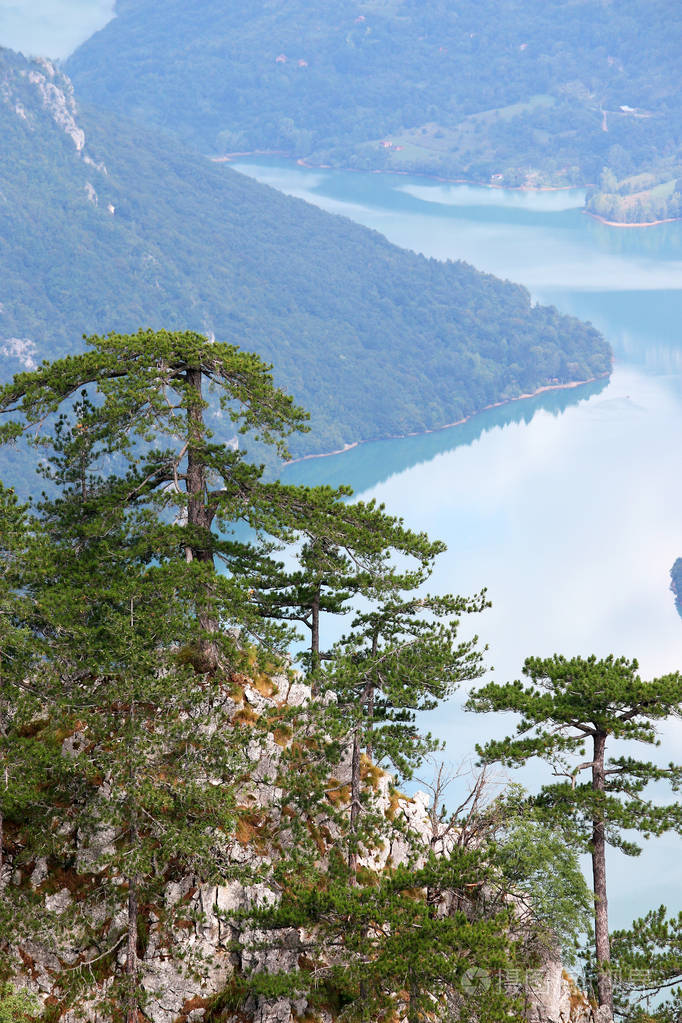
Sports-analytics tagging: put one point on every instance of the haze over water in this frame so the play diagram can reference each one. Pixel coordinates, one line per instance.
(51, 28)
(567, 507)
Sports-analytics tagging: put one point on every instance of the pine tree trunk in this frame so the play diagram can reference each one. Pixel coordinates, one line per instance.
(354, 807)
(369, 748)
(370, 700)
(601, 911)
(315, 637)
(131, 949)
(131, 955)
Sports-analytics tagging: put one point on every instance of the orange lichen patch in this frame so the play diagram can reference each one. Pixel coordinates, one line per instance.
(29, 964)
(250, 827)
(265, 686)
(32, 728)
(245, 716)
(282, 734)
(367, 877)
(394, 801)
(77, 884)
(317, 838)
(577, 999)
(68, 731)
(370, 772)
(337, 794)
(190, 1004)
(245, 832)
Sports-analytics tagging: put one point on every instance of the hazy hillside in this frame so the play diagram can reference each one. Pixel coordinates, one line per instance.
(510, 90)
(104, 227)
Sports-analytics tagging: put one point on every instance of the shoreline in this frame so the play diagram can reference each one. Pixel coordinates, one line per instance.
(448, 426)
(302, 162)
(622, 223)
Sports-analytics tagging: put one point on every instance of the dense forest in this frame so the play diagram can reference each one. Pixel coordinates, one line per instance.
(104, 225)
(511, 92)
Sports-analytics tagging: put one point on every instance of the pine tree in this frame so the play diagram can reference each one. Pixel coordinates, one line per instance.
(149, 411)
(647, 960)
(348, 551)
(139, 753)
(401, 658)
(382, 950)
(16, 658)
(568, 704)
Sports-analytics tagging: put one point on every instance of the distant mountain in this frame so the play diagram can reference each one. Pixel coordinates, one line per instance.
(104, 226)
(508, 91)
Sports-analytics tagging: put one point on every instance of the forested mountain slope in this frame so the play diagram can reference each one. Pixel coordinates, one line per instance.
(513, 91)
(106, 227)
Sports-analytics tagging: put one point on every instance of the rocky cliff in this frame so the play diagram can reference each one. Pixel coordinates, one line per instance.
(214, 943)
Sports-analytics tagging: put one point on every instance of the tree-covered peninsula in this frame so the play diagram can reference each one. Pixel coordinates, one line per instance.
(508, 92)
(108, 225)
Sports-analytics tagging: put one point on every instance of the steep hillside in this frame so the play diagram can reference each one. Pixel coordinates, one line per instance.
(105, 227)
(546, 91)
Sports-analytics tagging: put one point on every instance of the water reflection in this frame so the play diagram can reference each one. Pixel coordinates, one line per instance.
(515, 238)
(368, 465)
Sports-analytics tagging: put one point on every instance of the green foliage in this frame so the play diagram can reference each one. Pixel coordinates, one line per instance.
(647, 959)
(545, 876)
(567, 704)
(125, 764)
(16, 1006)
(506, 90)
(641, 199)
(383, 948)
(374, 340)
(402, 658)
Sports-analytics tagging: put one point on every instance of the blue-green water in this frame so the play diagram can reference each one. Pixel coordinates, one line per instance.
(568, 506)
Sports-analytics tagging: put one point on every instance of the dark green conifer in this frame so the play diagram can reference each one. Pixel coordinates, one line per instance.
(571, 704)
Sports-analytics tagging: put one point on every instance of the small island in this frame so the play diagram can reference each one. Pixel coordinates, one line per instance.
(676, 584)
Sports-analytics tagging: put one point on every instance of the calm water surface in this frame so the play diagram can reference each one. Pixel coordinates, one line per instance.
(568, 507)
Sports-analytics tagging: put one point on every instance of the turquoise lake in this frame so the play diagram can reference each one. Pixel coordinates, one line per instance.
(567, 506)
